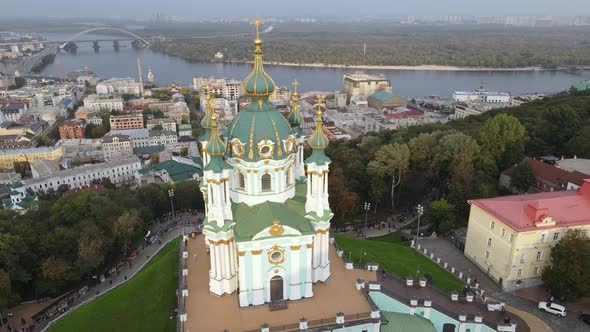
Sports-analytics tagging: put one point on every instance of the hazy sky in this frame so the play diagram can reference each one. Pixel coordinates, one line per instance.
(249, 8)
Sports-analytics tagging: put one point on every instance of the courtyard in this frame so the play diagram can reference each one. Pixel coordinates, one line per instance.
(206, 311)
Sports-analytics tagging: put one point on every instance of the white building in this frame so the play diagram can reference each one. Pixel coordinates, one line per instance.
(104, 104)
(12, 112)
(118, 86)
(145, 137)
(360, 84)
(166, 124)
(481, 95)
(116, 145)
(118, 171)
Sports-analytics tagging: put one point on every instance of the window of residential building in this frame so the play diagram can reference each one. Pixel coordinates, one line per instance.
(489, 241)
(543, 237)
(511, 237)
(487, 254)
(492, 225)
(519, 273)
(584, 233)
(539, 255)
(503, 232)
(555, 236)
(536, 271)
(522, 258)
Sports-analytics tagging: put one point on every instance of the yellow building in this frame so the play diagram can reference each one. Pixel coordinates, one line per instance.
(511, 237)
(9, 157)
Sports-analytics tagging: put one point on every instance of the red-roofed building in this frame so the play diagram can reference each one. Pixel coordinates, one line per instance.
(511, 237)
(547, 177)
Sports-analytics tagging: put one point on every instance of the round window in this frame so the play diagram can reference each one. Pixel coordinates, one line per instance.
(265, 149)
(276, 256)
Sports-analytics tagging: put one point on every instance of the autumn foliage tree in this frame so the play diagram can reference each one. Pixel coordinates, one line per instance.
(343, 201)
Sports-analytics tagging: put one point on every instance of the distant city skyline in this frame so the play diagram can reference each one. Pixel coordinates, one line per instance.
(308, 8)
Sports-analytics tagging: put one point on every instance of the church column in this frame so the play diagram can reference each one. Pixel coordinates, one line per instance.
(295, 285)
(308, 270)
(242, 279)
(257, 283)
(213, 270)
(218, 266)
(232, 257)
(325, 183)
(308, 184)
(225, 259)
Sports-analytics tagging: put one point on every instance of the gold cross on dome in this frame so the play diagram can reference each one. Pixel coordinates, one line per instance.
(319, 100)
(257, 22)
(295, 84)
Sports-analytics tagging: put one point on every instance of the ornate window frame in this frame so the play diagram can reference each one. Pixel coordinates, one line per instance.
(266, 143)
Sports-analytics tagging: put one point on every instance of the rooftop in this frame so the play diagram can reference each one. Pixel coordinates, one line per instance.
(206, 311)
(551, 173)
(85, 169)
(521, 212)
(575, 164)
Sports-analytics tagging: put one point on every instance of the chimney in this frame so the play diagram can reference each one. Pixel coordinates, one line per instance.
(534, 211)
(585, 188)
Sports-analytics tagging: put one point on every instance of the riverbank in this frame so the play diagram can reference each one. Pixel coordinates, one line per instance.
(414, 68)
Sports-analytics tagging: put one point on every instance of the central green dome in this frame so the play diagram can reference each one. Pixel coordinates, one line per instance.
(258, 125)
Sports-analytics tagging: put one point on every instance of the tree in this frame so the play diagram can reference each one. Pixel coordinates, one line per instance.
(55, 268)
(441, 214)
(124, 227)
(22, 167)
(421, 148)
(342, 200)
(500, 133)
(461, 183)
(183, 151)
(7, 297)
(91, 248)
(561, 124)
(522, 177)
(568, 276)
(391, 160)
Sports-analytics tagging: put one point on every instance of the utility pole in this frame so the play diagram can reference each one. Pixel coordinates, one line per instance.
(367, 207)
(171, 195)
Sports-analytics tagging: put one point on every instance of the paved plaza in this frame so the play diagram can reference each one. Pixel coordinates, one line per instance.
(205, 310)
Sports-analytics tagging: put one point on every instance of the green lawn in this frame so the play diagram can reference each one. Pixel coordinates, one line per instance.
(397, 258)
(144, 303)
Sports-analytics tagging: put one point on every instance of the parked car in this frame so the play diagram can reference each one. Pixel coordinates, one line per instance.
(584, 318)
(553, 308)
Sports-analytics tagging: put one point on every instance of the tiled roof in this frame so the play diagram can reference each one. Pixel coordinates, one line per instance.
(381, 95)
(567, 208)
(551, 173)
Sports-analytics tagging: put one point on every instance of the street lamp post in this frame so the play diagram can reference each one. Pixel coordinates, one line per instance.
(171, 195)
(367, 207)
(420, 209)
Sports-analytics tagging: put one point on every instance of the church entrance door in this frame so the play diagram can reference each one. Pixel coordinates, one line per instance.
(276, 288)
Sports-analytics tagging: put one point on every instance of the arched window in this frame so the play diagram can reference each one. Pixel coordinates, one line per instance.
(288, 176)
(241, 181)
(265, 180)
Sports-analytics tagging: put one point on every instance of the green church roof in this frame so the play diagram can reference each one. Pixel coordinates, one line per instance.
(250, 220)
(399, 322)
(381, 95)
(582, 85)
(258, 83)
(259, 121)
(176, 170)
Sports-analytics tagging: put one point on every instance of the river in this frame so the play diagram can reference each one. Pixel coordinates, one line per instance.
(108, 63)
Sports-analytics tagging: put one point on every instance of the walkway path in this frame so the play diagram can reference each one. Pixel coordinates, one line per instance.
(449, 253)
(168, 230)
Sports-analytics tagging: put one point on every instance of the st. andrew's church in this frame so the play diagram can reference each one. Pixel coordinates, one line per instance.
(267, 213)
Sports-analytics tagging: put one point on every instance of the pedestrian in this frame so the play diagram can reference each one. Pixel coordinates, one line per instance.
(195, 255)
(125, 277)
(97, 291)
(111, 281)
(147, 257)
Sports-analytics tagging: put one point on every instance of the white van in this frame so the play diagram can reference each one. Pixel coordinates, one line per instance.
(553, 308)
